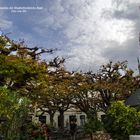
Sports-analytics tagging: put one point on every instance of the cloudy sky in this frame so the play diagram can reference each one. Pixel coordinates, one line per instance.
(87, 32)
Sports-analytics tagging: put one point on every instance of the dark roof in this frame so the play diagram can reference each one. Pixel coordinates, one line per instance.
(134, 99)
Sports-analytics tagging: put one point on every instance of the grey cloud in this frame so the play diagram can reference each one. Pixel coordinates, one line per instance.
(129, 51)
(131, 13)
(5, 24)
(95, 31)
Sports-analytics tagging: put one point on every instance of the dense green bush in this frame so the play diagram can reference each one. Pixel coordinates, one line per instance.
(122, 121)
(15, 110)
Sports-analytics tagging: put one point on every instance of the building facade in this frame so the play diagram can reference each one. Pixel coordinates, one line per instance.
(69, 115)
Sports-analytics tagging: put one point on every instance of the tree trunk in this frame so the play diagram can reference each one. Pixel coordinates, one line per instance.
(91, 136)
(51, 118)
(61, 119)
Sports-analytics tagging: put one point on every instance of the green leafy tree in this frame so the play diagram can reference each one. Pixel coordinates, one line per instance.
(123, 120)
(114, 81)
(15, 110)
(83, 93)
(21, 68)
(60, 92)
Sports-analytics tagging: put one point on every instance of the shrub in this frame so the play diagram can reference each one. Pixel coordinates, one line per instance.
(122, 120)
(93, 124)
